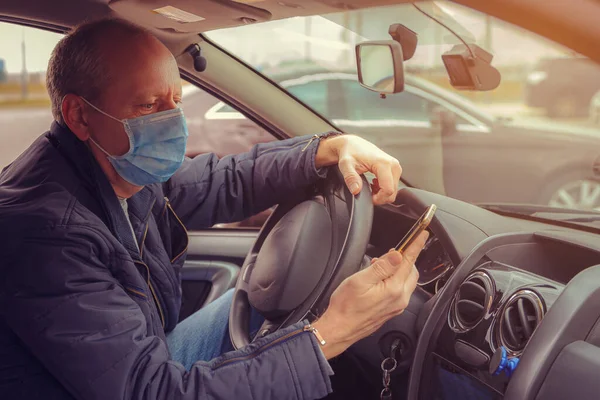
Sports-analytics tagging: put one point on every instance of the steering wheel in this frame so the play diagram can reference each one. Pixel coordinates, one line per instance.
(302, 253)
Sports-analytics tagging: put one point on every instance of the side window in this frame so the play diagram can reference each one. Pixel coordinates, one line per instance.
(25, 111)
(217, 127)
(312, 93)
(226, 108)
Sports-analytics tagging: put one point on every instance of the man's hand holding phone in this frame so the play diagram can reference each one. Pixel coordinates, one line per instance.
(366, 300)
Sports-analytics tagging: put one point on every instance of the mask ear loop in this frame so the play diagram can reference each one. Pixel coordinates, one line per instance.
(100, 147)
(123, 122)
(61, 107)
(99, 110)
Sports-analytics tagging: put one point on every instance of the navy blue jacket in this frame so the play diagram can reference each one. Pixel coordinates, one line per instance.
(83, 312)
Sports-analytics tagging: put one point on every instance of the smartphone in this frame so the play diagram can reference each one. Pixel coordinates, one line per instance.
(419, 226)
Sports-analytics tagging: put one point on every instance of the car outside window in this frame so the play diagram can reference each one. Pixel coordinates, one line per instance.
(313, 93)
(226, 108)
(367, 105)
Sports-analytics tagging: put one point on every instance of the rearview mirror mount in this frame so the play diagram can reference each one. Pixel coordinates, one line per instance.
(407, 38)
(380, 66)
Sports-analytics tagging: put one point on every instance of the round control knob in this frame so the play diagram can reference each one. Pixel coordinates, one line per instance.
(500, 362)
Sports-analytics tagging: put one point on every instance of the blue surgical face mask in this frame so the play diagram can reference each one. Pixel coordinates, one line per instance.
(156, 146)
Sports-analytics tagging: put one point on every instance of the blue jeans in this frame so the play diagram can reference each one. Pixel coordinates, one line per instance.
(204, 335)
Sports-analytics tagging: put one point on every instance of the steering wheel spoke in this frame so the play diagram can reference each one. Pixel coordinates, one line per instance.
(266, 328)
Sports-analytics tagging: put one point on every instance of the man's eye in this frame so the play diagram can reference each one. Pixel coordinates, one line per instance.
(147, 107)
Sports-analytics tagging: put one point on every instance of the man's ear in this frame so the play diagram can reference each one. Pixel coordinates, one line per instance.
(75, 115)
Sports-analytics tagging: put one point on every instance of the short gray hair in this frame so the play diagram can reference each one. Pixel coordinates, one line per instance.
(78, 64)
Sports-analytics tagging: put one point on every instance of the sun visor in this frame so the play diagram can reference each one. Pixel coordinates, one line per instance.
(187, 16)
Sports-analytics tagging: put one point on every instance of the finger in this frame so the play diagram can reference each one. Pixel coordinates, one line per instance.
(396, 174)
(403, 293)
(388, 187)
(411, 282)
(380, 270)
(351, 177)
(374, 260)
(409, 257)
(409, 288)
(375, 186)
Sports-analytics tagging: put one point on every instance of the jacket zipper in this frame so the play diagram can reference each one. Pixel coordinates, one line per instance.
(184, 229)
(149, 281)
(263, 348)
(313, 138)
(158, 306)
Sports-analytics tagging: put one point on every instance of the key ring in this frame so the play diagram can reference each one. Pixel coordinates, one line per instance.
(394, 365)
(388, 365)
(386, 379)
(386, 393)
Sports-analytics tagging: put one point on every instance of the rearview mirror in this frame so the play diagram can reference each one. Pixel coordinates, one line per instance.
(380, 66)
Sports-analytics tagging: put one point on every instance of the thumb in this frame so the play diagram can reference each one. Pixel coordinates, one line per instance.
(351, 177)
(382, 269)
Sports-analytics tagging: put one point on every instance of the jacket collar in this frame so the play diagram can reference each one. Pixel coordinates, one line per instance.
(91, 174)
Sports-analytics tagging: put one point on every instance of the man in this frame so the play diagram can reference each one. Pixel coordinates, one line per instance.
(92, 241)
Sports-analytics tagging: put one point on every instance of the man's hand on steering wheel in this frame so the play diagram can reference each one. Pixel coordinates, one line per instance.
(333, 246)
(355, 156)
(366, 300)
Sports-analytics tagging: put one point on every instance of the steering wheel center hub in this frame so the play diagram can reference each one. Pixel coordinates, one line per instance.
(292, 260)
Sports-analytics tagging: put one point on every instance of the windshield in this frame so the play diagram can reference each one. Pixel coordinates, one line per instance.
(533, 140)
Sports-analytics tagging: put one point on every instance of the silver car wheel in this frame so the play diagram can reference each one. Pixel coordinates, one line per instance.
(581, 195)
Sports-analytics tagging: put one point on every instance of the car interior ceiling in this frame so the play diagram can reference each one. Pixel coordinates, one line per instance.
(549, 21)
(517, 253)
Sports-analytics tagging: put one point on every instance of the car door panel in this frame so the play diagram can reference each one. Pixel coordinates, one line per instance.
(231, 244)
(204, 281)
(214, 259)
(508, 164)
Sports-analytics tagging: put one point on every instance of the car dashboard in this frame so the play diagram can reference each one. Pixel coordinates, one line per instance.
(505, 308)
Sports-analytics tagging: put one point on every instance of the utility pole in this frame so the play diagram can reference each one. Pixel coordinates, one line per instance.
(24, 74)
(348, 54)
(308, 42)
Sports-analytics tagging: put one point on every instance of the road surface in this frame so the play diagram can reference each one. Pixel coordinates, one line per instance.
(19, 128)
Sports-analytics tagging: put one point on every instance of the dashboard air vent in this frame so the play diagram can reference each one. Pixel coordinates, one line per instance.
(472, 301)
(520, 317)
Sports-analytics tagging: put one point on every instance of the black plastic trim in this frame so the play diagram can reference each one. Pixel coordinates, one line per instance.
(572, 317)
(574, 374)
(443, 299)
(221, 275)
(221, 243)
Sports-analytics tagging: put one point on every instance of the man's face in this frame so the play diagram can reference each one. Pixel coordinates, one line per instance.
(145, 80)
